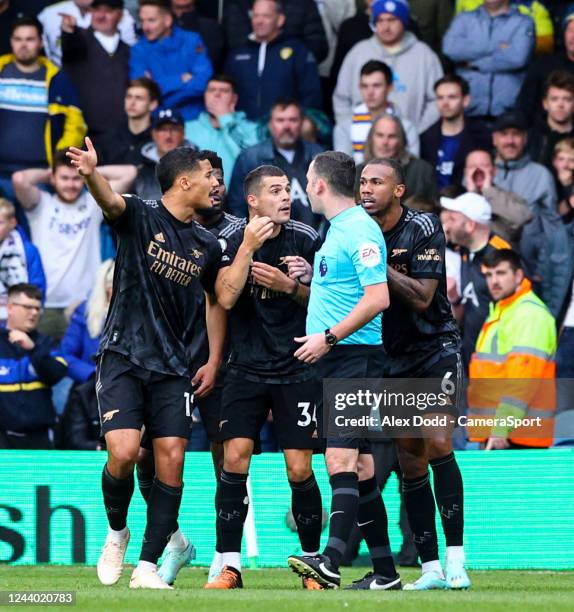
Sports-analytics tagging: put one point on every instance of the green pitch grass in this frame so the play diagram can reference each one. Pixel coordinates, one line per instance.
(277, 590)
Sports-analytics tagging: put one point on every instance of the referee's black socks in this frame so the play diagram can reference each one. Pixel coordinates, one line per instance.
(162, 512)
(307, 512)
(231, 505)
(421, 510)
(449, 494)
(345, 491)
(373, 523)
(117, 496)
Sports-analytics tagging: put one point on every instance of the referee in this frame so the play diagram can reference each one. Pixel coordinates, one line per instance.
(344, 335)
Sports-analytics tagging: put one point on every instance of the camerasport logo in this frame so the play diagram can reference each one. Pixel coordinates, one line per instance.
(370, 254)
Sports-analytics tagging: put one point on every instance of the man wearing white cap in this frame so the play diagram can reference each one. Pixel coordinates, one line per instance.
(466, 223)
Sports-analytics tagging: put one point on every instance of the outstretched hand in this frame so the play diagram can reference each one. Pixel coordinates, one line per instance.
(84, 161)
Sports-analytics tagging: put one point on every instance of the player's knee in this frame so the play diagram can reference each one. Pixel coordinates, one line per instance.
(123, 457)
(337, 464)
(440, 446)
(299, 471)
(413, 464)
(365, 467)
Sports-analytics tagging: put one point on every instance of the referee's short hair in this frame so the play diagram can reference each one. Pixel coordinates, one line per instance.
(173, 164)
(391, 163)
(338, 171)
(253, 180)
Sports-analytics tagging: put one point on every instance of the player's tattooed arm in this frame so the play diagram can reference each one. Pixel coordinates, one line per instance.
(112, 204)
(416, 293)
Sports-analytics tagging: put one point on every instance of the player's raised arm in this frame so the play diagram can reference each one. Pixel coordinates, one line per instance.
(112, 204)
(231, 280)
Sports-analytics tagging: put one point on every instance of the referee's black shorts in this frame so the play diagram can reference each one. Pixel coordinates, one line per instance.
(349, 361)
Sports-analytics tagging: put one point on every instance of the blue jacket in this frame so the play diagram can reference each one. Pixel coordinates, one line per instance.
(36, 274)
(78, 347)
(492, 54)
(290, 71)
(26, 380)
(265, 153)
(166, 60)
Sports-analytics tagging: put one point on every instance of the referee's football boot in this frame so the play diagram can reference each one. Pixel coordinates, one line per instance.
(111, 561)
(319, 568)
(456, 576)
(229, 578)
(174, 560)
(427, 582)
(376, 582)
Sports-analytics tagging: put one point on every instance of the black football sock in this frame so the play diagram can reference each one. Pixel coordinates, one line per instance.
(145, 482)
(373, 523)
(162, 511)
(420, 505)
(231, 504)
(117, 496)
(449, 494)
(345, 490)
(307, 512)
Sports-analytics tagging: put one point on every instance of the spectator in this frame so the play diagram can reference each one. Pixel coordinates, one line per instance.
(565, 353)
(387, 139)
(66, 229)
(81, 340)
(510, 212)
(49, 116)
(415, 67)
(29, 368)
(20, 260)
(285, 149)
(77, 12)
(466, 223)
(188, 18)
(220, 127)
(174, 58)
(558, 102)
(333, 14)
(433, 17)
(536, 10)
(491, 48)
(544, 242)
(563, 167)
(375, 85)
(270, 65)
(124, 144)
(530, 98)
(167, 134)
(302, 21)
(446, 143)
(79, 426)
(516, 346)
(352, 31)
(96, 60)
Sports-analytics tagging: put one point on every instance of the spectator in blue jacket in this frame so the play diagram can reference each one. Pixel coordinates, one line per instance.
(285, 149)
(20, 260)
(269, 65)
(82, 338)
(220, 127)
(177, 60)
(491, 48)
(29, 368)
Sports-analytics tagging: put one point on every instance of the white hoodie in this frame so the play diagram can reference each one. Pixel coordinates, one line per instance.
(416, 68)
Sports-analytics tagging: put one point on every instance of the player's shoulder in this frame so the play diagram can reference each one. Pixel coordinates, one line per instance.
(301, 230)
(425, 224)
(235, 227)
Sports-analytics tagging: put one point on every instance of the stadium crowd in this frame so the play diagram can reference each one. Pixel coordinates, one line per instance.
(474, 98)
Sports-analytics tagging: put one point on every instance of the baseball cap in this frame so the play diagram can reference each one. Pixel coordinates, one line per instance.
(399, 8)
(167, 115)
(115, 4)
(511, 119)
(471, 205)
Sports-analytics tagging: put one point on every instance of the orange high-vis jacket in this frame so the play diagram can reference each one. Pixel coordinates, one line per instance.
(512, 373)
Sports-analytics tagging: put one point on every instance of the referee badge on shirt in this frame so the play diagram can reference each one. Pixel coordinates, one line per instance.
(286, 53)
